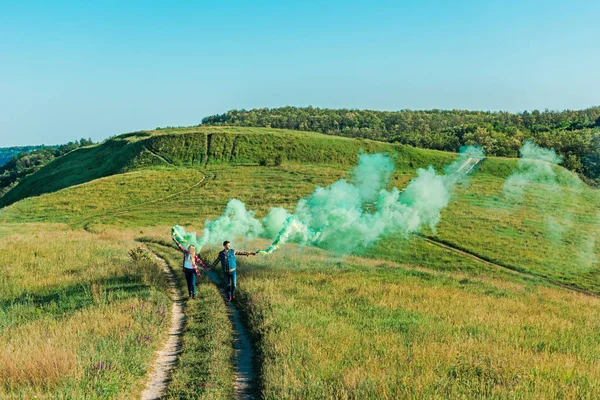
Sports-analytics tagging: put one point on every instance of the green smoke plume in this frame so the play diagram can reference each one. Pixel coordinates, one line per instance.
(534, 166)
(348, 215)
(235, 222)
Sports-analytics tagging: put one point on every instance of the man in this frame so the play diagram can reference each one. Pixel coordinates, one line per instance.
(228, 265)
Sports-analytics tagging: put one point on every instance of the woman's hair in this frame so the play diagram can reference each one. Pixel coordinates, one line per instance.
(192, 249)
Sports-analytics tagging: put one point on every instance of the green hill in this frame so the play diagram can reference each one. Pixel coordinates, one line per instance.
(488, 306)
(190, 147)
(546, 232)
(29, 159)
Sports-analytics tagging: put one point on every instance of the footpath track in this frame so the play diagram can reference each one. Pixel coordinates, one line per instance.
(508, 268)
(123, 210)
(167, 356)
(246, 384)
(245, 375)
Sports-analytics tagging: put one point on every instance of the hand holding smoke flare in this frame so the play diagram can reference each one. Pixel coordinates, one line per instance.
(339, 217)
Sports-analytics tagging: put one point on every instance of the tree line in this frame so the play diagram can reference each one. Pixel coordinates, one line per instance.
(575, 134)
(29, 159)
(6, 153)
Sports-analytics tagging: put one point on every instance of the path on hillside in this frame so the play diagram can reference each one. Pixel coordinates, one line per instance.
(123, 210)
(167, 356)
(467, 167)
(508, 268)
(154, 153)
(245, 376)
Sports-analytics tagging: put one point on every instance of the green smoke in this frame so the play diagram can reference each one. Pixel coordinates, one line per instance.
(186, 239)
(349, 215)
(535, 181)
(534, 166)
(235, 222)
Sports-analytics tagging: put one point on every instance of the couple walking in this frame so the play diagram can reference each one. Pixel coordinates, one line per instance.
(191, 260)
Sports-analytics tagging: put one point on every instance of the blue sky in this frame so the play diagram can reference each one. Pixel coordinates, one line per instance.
(96, 69)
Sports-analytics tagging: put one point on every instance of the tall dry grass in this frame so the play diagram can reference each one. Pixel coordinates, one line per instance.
(346, 328)
(79, 317)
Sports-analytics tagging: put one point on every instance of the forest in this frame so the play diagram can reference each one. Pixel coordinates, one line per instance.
(575, 134)
(6, 153)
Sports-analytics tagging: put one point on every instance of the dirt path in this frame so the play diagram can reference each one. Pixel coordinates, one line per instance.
(125, 210)
(167, 356)
(245, 385)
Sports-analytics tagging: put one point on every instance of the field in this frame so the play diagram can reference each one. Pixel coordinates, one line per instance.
(404, 319)
(354, 328)
(79, 316)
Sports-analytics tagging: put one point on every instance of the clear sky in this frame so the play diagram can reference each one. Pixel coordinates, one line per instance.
(72, 69)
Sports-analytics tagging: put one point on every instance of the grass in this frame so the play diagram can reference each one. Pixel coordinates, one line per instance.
(554, 231)
(79, 317)
(480, 220)
(88, 202)
(353, 328)
(193, 147)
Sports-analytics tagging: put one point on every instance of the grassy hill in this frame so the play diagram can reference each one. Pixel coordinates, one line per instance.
(190, 147)
(407, 318)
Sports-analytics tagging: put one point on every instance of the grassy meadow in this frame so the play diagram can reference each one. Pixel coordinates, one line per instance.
(355, 328)
(79, 316)
(406, 319)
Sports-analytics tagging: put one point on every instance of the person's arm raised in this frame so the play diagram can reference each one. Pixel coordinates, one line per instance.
(179, 246)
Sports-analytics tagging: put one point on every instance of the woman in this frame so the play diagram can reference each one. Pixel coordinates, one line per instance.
(191, 260)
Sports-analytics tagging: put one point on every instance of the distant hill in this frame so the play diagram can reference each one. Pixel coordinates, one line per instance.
(547, 231)
(573, 134)
(30, 160)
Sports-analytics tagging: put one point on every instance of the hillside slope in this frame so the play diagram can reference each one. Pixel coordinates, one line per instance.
(189, 147)
(552, 232)
(573, 134)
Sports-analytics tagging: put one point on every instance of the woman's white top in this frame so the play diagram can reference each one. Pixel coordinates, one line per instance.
(188, 262)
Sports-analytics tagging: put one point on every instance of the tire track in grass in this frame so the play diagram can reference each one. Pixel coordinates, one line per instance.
(167, 356)
(246, 385)
(245, 378)
(514, 270)
(124, 210)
